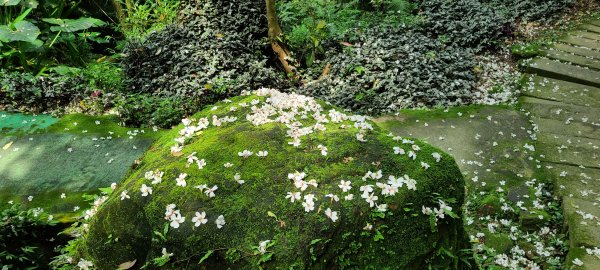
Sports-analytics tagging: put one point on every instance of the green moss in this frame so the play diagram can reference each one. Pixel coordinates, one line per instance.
(499, 242)
(302, 240)
(107, 125)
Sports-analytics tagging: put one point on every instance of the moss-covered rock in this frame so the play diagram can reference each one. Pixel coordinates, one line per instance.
(407, 229)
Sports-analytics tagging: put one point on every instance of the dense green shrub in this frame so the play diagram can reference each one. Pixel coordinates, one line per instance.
(482, 23)
(388, 69)
(91, 89)
(215, 51)
(26, 238)
(312, 26)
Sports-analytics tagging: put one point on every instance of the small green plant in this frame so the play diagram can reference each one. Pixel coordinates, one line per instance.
(25, 237)
(33, 36)
(144, 17)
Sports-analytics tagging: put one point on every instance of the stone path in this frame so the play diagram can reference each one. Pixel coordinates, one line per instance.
(42, 157)
(563, 98)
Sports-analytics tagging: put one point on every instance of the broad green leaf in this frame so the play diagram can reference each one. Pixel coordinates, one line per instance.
(31, 46)
(9, 2)
(23, 31)
(68, 25)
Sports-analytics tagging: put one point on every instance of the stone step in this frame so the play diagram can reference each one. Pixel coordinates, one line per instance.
(567, 72)
(584, 42)
(563, 112)
(590, 262)
(564, 149)
(576, 50)
(572, 58)
(575, 129)
(582, 217)
(574, 181)
(594, 22)
(586, 34)
(591, 28)
(563, 91)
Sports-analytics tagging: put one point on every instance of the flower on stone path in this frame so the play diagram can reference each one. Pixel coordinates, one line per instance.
(245, 154)
(331, 214)
(437, 156)
(345, 185)
(145, 190)
(262, 153)
(202, 123)
(293, 196)
(211, 191)
(181, 180)
(577, 262)
(124, 195)
(216, 121)
(199, 219)
(220, 221)
(323, 150)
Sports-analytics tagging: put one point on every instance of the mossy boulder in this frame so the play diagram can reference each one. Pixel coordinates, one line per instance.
(264, 228)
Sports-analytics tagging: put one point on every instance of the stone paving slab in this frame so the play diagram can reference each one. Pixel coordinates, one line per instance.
(566, 113)
(582, 218)
(569, 150)
(590, 262)
(557, 90)
(575, 129)
(591, 28)
(563, 71)
(595, 22)
(575, 181)
(586, 34)
(591, 63)
(584, 42)
(585, 52)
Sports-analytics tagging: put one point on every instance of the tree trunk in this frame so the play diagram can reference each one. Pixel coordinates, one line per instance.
(274, 33)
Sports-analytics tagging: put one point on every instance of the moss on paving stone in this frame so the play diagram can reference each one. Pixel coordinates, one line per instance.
(46, 157)
(302, 240)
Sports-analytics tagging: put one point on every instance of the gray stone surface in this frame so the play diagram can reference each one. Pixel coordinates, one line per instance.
(564, 71)
(591, 63)
(584, 42)
(563, 91)
(585, 52)
(591, 28)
